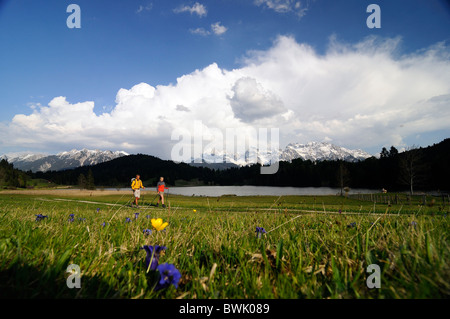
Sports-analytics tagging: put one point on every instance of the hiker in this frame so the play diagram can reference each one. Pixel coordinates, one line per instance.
(136, 186)
(160, 189)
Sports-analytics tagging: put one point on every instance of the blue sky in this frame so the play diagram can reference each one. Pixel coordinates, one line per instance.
(124, 43)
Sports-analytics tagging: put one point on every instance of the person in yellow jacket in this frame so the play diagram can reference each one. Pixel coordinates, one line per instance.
(136, 186)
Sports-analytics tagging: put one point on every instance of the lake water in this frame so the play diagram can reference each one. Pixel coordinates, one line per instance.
(216, 191)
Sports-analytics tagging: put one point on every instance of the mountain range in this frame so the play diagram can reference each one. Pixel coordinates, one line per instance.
(314, 151)
(61, 161)
(390, 171)
(319, 151)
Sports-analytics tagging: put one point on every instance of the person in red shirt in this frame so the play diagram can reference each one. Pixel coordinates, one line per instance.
(160, 187)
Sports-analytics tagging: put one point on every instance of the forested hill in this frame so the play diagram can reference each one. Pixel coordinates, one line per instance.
(427, 168)
(11, 177)
(118, 172)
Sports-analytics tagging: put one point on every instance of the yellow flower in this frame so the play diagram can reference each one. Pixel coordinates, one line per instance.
(195, 210)
(158, 224)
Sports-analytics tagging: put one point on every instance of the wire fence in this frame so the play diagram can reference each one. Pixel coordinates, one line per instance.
(403, 199)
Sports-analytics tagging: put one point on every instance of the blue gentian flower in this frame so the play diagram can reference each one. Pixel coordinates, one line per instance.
(136, 215)
(81, 219)
(98, 209)
(260, 231)
(148, 216)
(71, 215)
(169, 275)
(152, 258)
(147, 231)
(40, 217)
(413, 223)
(351, 225)
(127, 220)
(104, 224)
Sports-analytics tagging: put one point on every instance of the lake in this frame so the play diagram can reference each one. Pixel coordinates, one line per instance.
(216, 191)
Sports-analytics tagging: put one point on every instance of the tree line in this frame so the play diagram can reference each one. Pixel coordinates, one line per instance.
(11, 177)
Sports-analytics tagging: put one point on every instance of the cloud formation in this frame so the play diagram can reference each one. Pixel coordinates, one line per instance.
(197, 8)
(356, 95)
(182, 108)
(251, 101)
(216, 28)
(284, 6)
(142, 8)
(200, 31)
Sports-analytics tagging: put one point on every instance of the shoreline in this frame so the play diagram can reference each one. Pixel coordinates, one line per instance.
(74, 192)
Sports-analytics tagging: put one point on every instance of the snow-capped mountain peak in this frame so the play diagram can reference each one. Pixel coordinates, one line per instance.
(319, 151)
(23, 156)
(314, 151)
(64, 160)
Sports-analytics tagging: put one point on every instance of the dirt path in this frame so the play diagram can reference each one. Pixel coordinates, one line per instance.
(145, 206)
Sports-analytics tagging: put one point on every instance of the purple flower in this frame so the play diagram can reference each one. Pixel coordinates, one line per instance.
(40, 217)
(81, 219)
(127, 220)
(260, 231)
(71, 215)
(413, 223)
(147, 232)
(98, 209)
(351, 225)
(148, 216)
(104, 224)
(340, 211)
(136, 215)
(152, 257)
(169, 276)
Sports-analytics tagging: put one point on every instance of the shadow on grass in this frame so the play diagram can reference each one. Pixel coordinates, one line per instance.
(28, 282)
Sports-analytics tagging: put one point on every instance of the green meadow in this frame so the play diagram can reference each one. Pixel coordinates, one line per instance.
(310, 250)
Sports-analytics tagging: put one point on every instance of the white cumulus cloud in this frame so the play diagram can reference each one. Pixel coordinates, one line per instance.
(284, 6)
(355, 95)
(218, 29)
(251, 101)
(197, 8)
